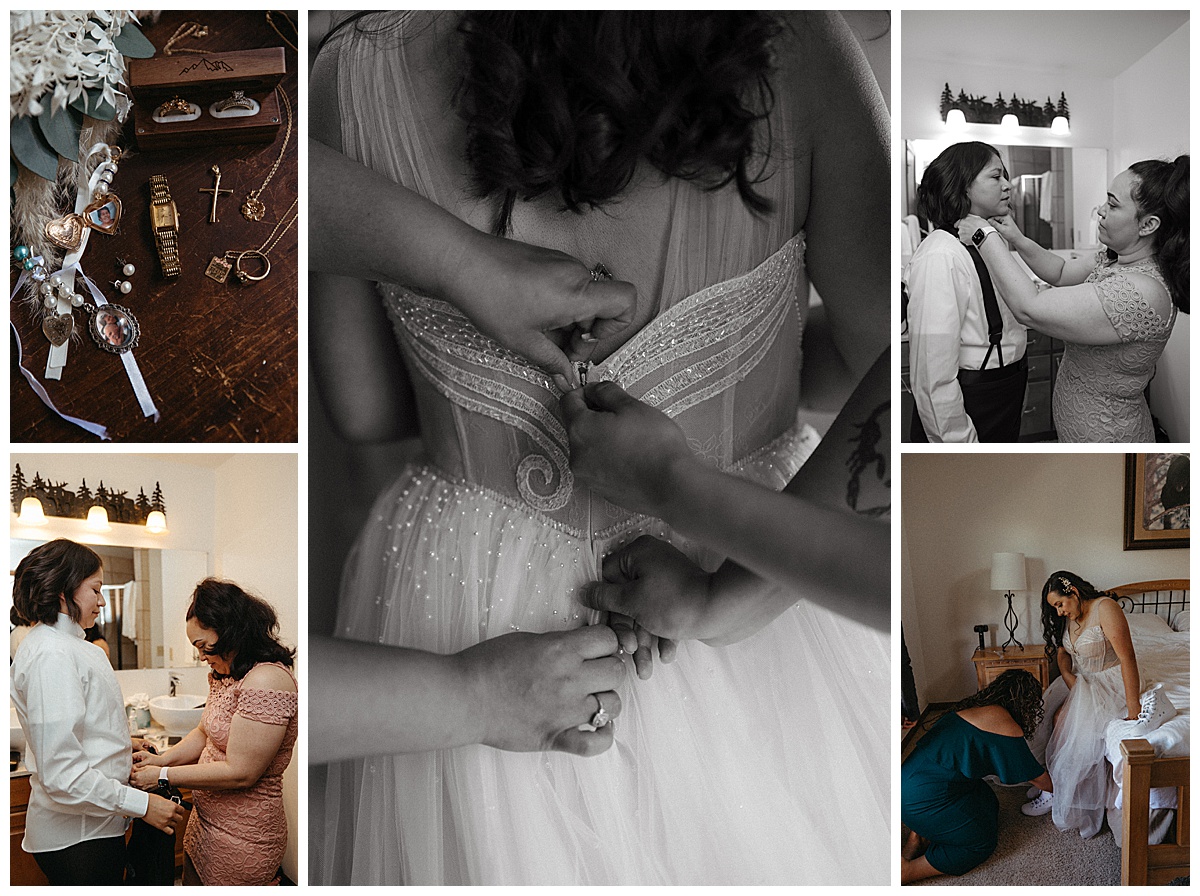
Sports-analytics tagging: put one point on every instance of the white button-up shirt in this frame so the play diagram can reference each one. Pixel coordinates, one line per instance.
(948, 332)
(79, 752)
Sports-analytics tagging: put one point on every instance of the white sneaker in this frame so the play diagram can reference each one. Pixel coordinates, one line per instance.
(1040, 806)
(1033, 793)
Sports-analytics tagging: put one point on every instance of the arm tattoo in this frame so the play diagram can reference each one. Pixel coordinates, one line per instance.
(865, 454)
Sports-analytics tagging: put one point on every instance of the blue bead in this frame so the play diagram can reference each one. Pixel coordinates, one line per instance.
(21, 253)
(29, 264)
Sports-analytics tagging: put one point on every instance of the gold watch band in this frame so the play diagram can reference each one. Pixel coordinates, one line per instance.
(166, 236)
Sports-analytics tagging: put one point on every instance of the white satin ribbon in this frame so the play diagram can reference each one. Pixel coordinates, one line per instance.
(131, 368)
(95, 429)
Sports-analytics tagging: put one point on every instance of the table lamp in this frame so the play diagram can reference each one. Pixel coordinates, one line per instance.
(1008, 575)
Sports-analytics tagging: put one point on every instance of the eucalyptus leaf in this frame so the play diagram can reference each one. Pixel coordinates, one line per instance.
(31, 148)
(62, 130)
(132, 43)
(93, 104)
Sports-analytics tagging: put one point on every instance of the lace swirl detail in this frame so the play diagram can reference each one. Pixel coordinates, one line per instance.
(267, 706)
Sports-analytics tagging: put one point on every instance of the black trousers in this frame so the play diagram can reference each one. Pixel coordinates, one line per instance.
(87, 864)
(993, 399)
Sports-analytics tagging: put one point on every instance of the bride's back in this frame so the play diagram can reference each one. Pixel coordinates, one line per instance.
(724, 362)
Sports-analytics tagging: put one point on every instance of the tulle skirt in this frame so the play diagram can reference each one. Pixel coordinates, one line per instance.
(765, 762)
(1075, 752)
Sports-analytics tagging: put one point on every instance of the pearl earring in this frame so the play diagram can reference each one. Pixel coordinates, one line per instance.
(124, 286)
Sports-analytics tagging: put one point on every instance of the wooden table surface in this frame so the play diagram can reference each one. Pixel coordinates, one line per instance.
(221, 361)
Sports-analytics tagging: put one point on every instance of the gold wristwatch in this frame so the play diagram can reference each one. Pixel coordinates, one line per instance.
(164, 221)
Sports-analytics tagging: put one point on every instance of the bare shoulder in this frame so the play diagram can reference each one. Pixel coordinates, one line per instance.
(994, 719)
(269, 677)
(1109, 612)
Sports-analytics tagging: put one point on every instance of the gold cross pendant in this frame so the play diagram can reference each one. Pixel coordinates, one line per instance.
(216, 193)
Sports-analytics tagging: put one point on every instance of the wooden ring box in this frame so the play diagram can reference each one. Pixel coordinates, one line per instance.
(204, 79)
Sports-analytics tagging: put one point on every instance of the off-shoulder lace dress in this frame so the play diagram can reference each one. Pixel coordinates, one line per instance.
(238, 837)
(724, 762)
(1099, 394)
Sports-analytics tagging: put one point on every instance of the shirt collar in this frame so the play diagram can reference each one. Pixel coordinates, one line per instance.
(67, 626)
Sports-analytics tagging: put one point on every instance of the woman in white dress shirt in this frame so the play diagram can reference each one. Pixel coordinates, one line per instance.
(967, 361)
(70, 707)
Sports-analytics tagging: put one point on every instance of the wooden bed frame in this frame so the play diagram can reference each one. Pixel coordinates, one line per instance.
(1141, 861)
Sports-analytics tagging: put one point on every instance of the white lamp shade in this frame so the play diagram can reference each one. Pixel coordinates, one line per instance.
(1009, 122)
(956, 120)
(1060, 126)
(31, 512)
(1008, 572)
(97, 519)
(156, 522)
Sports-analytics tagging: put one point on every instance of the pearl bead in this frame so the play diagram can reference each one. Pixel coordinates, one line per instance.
(77, 300)
(126, 287)
(45, 289)
(57, 280)
(128, 270)
(21, 253)
(50, 302)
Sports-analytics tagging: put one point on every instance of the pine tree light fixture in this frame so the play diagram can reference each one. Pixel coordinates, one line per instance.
(957, 111)
(99, 508)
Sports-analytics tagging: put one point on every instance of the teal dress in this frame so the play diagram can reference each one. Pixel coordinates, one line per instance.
(944, 798)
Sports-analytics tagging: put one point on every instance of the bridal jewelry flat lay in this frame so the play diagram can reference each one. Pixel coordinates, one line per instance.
(219, 267)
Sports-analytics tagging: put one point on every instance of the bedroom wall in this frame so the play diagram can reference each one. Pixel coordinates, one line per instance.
(1061, 511)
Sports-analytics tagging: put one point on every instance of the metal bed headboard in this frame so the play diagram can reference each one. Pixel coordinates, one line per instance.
(1165, 598)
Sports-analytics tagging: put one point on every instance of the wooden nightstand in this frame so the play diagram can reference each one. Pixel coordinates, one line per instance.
(992, 661)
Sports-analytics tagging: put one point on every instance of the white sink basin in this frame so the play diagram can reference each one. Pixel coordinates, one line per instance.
(16, 735)
(179, 714)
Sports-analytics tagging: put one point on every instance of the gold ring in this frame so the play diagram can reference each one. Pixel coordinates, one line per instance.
(243, 275)
(174, 106)
(238, 100)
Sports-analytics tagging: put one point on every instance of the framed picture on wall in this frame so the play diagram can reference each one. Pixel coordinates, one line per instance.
(1157, 501)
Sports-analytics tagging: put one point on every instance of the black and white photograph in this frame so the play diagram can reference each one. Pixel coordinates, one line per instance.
(1046, 677)
(599, 448)
(1045, 238)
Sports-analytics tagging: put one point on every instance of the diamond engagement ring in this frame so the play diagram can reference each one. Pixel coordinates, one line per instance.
(238, 100)
(601, 718)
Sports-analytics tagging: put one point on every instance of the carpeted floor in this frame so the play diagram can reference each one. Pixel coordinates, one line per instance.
(1032, 852)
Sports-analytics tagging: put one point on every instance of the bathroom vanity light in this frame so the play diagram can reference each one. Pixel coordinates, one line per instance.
(958, 111)
(35, 501)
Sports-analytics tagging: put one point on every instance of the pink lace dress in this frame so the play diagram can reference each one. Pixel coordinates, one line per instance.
(237, 837)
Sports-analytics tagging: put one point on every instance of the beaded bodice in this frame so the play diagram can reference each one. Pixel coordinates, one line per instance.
(1089, 648)
(721, 362)
(1098, 392)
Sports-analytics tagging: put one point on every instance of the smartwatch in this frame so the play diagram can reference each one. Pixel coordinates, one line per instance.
(164, 222)
(982, 234)
(162, 775)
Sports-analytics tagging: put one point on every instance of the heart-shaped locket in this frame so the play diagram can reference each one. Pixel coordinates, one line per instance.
(66, 231)
(104, 213)
(58, 328)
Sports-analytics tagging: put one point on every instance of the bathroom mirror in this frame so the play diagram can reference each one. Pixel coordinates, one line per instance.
(146, 592)
(1055, 193)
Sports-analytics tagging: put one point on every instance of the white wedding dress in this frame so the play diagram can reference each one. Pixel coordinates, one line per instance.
(761, 763)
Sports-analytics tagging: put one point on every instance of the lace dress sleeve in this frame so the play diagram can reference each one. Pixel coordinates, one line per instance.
(268, 706)
(1134, 319)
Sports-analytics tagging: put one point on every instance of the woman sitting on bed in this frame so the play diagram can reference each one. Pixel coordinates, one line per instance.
(1098, 664)
(951, 810)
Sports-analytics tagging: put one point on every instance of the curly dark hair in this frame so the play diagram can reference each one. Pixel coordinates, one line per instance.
(1161, 188)
(571, 102)
(246, 626)
(1018, 691)
(1054, 625)
(942, 195)
(49, 572)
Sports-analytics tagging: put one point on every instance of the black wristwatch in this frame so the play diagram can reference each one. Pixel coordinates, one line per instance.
(982, 234)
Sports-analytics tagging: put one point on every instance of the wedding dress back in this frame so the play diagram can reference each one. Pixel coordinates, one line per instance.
(725, 292)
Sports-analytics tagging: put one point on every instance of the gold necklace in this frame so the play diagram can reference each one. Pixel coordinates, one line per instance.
(288, 19)
(220, 266)
(187, 29)
(253, 208)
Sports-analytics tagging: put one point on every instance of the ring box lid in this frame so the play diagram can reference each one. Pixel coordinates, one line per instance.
(197, 77)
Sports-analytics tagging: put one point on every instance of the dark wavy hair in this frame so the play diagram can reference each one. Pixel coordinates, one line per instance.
(51, 571)
(1018, 691)
(1054, 625)
(1161, 188)
(246, 626)
(942, 195)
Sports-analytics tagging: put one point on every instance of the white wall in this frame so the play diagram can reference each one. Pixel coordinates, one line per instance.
(1151, 122)
(258, 547)
(1062, 511)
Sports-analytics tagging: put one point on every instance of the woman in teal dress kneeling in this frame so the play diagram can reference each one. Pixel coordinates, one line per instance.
(950, 809)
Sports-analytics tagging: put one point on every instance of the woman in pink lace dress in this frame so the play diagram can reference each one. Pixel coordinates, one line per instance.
(235, 758)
